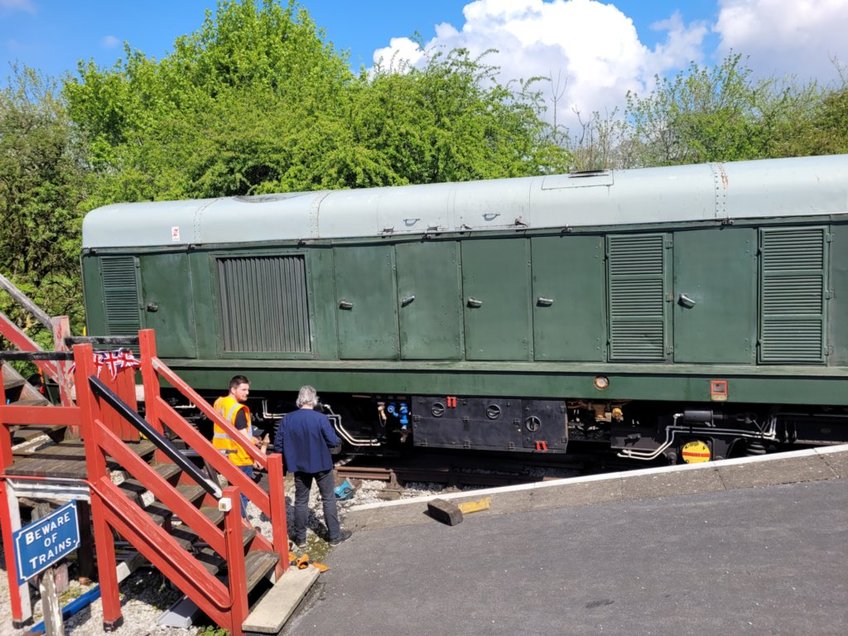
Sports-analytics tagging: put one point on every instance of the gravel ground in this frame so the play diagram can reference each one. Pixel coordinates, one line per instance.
(145, 595)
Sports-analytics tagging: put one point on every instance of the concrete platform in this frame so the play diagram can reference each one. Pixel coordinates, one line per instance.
(751, 546)
(687, 479)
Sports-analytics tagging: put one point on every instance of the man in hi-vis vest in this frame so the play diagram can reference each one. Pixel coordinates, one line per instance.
(233, 409)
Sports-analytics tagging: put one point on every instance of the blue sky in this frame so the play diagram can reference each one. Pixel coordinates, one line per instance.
(598, 50)
(53, 35)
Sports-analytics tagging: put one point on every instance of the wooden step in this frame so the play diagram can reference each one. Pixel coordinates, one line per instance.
(259, 563)
(159, 514)
(65, 459)
(29, 432)
(213, 514)
(134, 489)
(192, 492)
(34, 400)
(10, 382)
(186, 533)
(11, 378)
(31, 394)
(209, 559)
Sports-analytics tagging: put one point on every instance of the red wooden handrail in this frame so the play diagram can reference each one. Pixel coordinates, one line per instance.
(234, 476)
(161, 488)
(56, 371)
(219, 462)
(192, 396)
(14, 415)
(17, 337)
(160, 412)
(237, 572)
(39, 415)
(159, 547)
(112, 510)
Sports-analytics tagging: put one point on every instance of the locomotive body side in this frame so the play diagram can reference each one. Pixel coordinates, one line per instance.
(646, 308)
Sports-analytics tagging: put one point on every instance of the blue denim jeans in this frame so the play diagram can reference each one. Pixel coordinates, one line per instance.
(247, 470)
(326, 486)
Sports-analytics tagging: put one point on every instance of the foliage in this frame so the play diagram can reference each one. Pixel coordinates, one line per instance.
(452, 121)
(825, 128)
(717, 113)
(704, 114)
(42, 183)
(256, 101)
(221, 115)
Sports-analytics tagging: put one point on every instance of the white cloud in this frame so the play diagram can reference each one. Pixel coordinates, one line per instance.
(110, 41)
(782, 37)
(17, 5)
(401, 51)
(592, 44)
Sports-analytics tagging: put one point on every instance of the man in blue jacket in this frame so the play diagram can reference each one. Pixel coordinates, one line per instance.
(305, 437)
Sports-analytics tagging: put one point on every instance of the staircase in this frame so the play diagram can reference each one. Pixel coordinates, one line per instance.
(211, 554)
(21, 393)
(172, 511)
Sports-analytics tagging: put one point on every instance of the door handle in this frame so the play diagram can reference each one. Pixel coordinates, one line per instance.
(684, 301)
(406, 300)
(345, 304)
(151, 307)
(474, 303)
(541, 301)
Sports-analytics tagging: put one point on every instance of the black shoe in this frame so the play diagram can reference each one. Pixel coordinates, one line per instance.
(344, 536)
(300, 543)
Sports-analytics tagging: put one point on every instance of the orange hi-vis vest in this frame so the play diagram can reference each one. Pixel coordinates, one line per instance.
(229, 407)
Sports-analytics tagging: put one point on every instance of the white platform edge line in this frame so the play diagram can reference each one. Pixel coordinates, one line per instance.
(661, 470)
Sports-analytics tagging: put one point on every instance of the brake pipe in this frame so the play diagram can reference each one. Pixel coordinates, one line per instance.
(350, 439)
(672, 430)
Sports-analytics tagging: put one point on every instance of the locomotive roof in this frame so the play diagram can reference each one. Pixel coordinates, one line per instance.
(715, 191)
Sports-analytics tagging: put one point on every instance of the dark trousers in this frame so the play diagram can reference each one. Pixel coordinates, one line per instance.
(247, 470)
(326, 486)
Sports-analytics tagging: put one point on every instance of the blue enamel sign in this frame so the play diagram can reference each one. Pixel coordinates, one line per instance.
(45, 541)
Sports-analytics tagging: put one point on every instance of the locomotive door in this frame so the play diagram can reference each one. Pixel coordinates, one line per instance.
(496, 298)
(167, 303)
(365, 302)
(568, 298)
(429, 299)
(715, 295)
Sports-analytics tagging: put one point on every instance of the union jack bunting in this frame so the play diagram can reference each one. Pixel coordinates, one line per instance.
(114, 361)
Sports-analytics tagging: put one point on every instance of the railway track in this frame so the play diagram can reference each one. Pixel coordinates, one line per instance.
(460, 470)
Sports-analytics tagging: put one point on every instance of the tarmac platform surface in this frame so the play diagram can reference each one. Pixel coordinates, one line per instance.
(733, 547)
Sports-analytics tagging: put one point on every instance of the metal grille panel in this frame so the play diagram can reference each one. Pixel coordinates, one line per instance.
(264, 304)
(120, 295)
(636, 297)
(792, 296)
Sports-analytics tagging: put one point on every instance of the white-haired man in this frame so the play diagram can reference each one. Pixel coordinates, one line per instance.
(305, 437)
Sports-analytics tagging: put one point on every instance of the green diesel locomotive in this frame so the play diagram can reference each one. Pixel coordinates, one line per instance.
(693, 312)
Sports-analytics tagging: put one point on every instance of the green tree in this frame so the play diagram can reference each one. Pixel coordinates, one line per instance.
(42, 184)
(716, 114)
(824, 130)
(451, 120)
(257, 101)
(215, 117)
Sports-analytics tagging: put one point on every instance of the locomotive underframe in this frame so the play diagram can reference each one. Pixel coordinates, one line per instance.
(638, 430)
